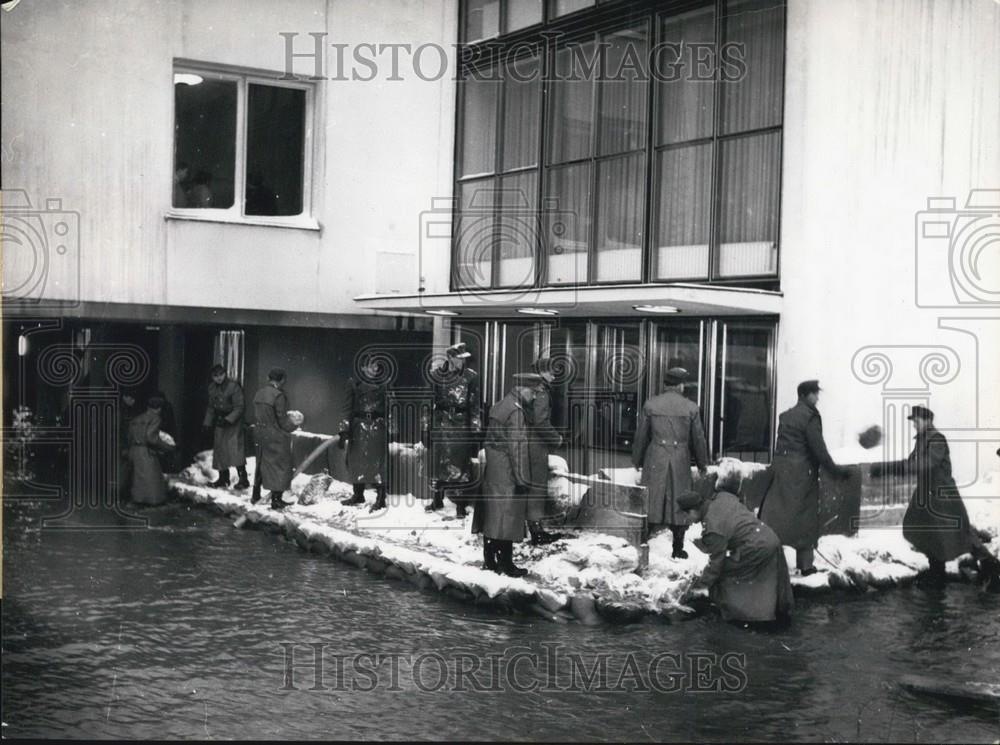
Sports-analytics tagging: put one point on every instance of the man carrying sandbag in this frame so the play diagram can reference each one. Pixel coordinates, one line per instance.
(791, 504)
(274, 444)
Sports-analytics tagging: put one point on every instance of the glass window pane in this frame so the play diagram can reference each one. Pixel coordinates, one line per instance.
(685, 68)
(567, 216)
(623, 92)
(482, 19)
(523, 13)
(276, 136)
(473, 234)
(746, 398)
(748, 219)
(479, 117)
(519, 227)
(685, 195)
(619, 218)
(618, 372)
(521, 114)
(679, 345)
(562, 7)
(752, 91)
(571, 114)
(204, 141)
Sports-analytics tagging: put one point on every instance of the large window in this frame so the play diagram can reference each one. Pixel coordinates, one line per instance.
(651, 153)
(241, 145)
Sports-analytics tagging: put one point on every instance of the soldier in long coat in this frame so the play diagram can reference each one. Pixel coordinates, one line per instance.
(542, 438)
(670, 432)
(274, 443)
(144, 446)
(746, 576)
(128, 409)
(791, 504)
(936, 522)
(225, 416)
(456, 421)
(364, 433)
(500, 517)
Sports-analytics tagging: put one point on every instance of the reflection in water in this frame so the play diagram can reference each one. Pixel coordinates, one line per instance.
(177, 632)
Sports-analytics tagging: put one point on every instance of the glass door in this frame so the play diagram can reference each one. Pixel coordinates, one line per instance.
(744, 390)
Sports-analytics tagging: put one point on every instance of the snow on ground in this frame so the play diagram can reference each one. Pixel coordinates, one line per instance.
(581, 562)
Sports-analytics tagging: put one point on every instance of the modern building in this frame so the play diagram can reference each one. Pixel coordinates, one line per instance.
(740, 187)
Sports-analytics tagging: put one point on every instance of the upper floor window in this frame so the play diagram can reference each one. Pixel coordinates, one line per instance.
(648, 145)
(241, 145)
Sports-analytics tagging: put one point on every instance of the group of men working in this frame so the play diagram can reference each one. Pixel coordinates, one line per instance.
(746, 576)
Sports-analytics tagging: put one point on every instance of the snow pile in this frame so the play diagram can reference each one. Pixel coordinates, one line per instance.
(201, 471)
(583, 567)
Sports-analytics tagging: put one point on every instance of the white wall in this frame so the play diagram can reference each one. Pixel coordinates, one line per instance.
(887, 103)
(88, 107)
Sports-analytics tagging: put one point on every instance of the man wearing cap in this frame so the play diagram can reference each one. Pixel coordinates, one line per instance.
(542, 438)
(746, 576)
(274, 444)
(501, 514)
(791, 504)
(364, 433)
(456, 420)
(670, 432)
(225, 417)
(936, 522)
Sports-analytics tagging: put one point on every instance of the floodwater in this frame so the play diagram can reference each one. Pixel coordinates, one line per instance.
(192, 628)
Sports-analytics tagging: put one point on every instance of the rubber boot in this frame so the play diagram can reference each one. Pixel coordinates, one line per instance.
(505, 562)
(679, 531)
(379, 499)
(357, 498)
(804, 559)
(489, 555)
(437, 501)
(244, 482)
(223, 480)
(461, 505)
(540, 536)
(936, 575)
(276, 503)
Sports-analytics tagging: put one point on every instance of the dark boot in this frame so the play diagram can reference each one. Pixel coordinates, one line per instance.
(540, 536)
(223, 481)
(505, 560)
(244, 482)
(379, 499)
(489, 555)
(358, 498)
(679, 531)
(437, 501)
(276, 503)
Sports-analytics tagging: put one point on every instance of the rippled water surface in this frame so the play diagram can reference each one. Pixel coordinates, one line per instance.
(177, 631)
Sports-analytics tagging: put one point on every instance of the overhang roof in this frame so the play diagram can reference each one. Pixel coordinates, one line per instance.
(583, 302)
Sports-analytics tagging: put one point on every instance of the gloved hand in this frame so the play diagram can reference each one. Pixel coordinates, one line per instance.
(342, 442)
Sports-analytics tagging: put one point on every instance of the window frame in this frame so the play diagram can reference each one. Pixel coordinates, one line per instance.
(244, 77)
(595, 22)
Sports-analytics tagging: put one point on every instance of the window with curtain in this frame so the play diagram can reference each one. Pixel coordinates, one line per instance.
(497, 227)
(597, 163)
(672, 122)
(228, 350)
